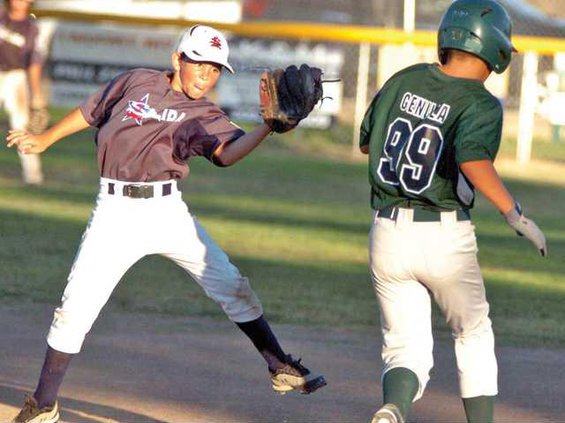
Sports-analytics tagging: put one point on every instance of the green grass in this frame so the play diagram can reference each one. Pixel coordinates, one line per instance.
(542, 149)
(295, 222)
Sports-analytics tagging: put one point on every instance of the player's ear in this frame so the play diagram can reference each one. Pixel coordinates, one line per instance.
(176, 61)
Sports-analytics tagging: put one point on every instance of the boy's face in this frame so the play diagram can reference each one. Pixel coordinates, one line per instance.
(20, 4)
(192, 78)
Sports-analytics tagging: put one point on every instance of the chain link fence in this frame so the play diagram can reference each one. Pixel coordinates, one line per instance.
(362, 67)
(537, 18)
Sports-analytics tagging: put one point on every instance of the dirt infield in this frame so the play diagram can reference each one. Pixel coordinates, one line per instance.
(150, 368)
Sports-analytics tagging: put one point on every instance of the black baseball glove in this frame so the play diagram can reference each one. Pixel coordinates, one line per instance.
(288, 96)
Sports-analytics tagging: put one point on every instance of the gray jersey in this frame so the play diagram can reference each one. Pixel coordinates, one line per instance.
(147, 131)
(18, 43)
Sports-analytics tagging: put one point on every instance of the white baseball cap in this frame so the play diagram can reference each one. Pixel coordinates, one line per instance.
(205, 44)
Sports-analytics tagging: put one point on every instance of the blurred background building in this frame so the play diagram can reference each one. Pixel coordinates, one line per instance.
(85, 53)
(531, 17)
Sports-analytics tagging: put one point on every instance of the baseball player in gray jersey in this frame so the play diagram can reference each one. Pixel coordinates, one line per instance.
(149, 123)
(432, 134)
(21, 65)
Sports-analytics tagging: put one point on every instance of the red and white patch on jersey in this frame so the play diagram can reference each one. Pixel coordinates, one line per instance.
(137, 110)
(140, 109)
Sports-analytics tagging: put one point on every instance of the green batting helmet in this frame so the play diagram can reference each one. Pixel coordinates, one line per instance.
(479, 27)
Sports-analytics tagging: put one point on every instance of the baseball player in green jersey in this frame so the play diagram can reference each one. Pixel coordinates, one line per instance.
(432, 133)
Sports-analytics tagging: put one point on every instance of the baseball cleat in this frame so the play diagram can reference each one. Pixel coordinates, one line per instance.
(31, 413)
(388, 413)
(293, 376)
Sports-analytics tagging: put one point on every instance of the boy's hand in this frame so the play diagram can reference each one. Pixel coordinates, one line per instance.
(526, 227)
(26, 142)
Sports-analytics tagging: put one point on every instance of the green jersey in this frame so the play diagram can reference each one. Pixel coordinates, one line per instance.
(420, 127)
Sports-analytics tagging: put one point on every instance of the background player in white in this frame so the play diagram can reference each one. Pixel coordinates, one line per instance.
(149, 123)
(21, 66)
(432, 134)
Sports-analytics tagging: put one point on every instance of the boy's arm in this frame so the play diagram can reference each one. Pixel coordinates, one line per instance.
(231, 152)
(484, 177)
(38, 113)
(34, 77)
(28, 143)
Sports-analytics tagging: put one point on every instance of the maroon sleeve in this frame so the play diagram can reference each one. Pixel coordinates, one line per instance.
(97, 108)
(201, 137)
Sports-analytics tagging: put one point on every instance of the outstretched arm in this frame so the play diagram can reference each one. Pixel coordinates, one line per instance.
(28, 143)
(229, 153)
(484, 177)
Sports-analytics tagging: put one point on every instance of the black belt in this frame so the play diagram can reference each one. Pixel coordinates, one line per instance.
(140, 191)
(423, 215)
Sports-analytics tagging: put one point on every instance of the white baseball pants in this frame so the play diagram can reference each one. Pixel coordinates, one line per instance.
(14, 97)
(411, 261)
(121, 231)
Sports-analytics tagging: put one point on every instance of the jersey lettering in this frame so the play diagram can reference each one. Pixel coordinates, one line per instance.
(423, 108)
(410, 156)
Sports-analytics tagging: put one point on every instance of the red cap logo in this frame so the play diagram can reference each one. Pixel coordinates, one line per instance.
(215, 42)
